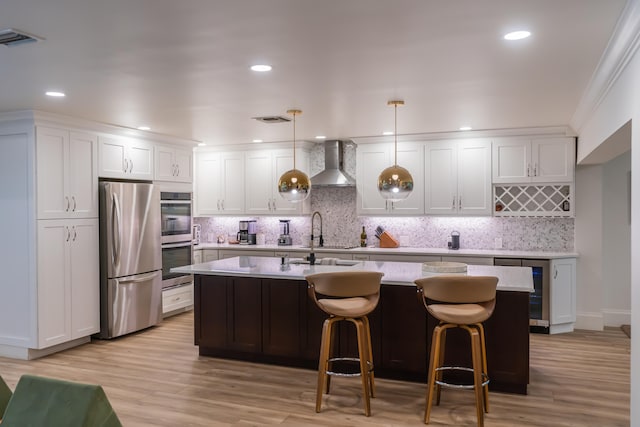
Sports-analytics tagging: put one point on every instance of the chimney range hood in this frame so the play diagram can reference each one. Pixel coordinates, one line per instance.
(333, 174)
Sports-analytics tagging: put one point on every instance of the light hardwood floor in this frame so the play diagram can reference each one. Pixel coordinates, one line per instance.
(156, 378)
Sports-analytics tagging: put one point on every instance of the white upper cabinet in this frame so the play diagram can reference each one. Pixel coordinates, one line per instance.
(457, 177)
(125, 158)
(173, 164)
(219, 183)
(263, 169)
(371, 160)
(67, 177)
(544, 160)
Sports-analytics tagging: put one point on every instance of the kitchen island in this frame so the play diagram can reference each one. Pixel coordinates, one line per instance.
(256, 309)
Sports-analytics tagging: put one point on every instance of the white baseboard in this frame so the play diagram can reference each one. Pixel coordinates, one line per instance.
(613, 317)
(589, 321)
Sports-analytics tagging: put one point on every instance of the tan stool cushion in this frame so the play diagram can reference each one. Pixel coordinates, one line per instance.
(349, 307)
(463, 314)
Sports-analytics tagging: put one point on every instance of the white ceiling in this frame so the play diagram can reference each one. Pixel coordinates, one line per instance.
(182, 67)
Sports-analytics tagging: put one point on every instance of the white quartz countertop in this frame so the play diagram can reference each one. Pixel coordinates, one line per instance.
(395, 273)
(498, 253)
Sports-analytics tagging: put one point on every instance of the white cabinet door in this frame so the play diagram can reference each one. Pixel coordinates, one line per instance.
(260, 183)
(207, 184)
(83, 174)
(410, 157)
(371, 159)
(68, 280)
(197, 256)
(474, 178)
(54, 295)
(458, 177)
(67, 177)
(563, 291)
(173, 164)
(184, 165)
(539, 160)
(441, 172)
(125, 158)
(232, 183)
(140, 155)
(553, 160)
(84, 276)
(52, 163)
(209, 255)
(511, 161)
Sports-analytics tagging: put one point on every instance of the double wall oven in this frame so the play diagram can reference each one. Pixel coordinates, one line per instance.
(177, 237)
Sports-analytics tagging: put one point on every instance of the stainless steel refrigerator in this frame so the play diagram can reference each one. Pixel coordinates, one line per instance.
(130, 258)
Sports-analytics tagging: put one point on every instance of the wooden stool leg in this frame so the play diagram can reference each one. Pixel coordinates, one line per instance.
(322, 362)
(372, 388)
(440, 374)
(485, 389)
(434, 362)
(476, 355)
(332, 347)
(364, 368)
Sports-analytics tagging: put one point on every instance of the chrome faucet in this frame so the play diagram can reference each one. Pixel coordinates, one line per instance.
(312, 256)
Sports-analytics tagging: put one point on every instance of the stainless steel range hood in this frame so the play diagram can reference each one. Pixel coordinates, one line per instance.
(333, 174)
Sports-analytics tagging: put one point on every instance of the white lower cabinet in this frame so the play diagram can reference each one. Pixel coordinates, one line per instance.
(179, 298)
(68, 280)
(562, 301)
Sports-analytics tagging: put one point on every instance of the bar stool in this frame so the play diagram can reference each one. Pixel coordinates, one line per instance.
(458, 302)
(350, 296)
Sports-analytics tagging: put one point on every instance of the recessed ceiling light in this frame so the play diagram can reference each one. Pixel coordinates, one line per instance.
(55, 94)
(144, 128)
(465, 128)
(387, 132)
(257, 140)
(320, 137)
(517, 35)
(201, 144)
(261, 68)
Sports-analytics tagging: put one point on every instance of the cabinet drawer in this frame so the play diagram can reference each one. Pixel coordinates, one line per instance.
(469, 260)
(174, 299)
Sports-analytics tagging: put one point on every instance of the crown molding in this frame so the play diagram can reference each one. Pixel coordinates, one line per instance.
(622, 46)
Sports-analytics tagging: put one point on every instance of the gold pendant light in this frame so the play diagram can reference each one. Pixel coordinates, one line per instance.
(395, 183)
(294, 185)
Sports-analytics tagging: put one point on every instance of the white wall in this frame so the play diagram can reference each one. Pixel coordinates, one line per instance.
(588, 241)
(620, 104)
(616, 241)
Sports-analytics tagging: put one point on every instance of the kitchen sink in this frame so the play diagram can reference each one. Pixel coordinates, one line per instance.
(325, 261)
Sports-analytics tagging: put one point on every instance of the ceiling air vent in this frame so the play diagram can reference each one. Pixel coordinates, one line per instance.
(272, 119)
(11, 37)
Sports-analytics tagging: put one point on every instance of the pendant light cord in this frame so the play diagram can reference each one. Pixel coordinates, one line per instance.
(395, 134)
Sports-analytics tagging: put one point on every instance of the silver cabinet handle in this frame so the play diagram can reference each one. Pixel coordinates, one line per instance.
(75, 234)
(555, 273)
(67, 199)
(218, 204)
(73, 198)
(145, 278)
(126, 165)
(130, 165)
(177, 170)
(535, 169)
(453, 203)
(222, 204)
(529, 169)
(460, 203)
(68, 234)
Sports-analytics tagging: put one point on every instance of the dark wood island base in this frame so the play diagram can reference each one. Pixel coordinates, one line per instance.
(274, 321)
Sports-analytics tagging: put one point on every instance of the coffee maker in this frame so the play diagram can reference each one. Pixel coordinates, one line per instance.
(243, 234)
(285, 238)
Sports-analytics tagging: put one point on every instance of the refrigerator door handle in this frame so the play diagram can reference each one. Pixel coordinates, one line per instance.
(116, 238)
(144, 278)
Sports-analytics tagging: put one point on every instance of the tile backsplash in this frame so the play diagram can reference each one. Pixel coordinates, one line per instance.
(342, 226)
